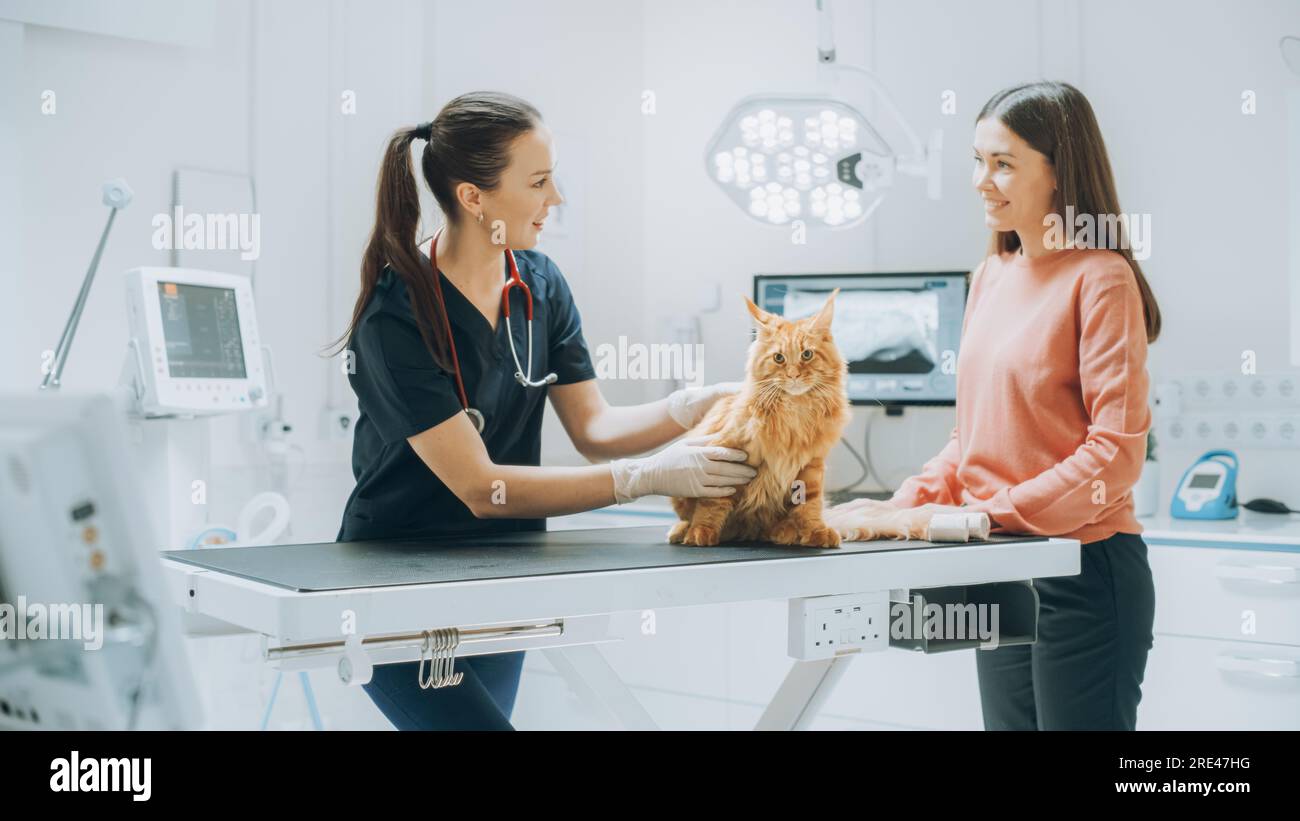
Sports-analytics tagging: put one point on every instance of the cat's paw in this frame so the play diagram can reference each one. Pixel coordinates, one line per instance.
(784, 532)
(701, 536)
(821, 536)
(677, 532)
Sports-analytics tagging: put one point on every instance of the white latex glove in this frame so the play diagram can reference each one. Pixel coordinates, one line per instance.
(689, 405)
(690, 468)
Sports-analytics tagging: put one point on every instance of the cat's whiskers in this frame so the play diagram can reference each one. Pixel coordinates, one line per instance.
(825, 391)
(768, 393)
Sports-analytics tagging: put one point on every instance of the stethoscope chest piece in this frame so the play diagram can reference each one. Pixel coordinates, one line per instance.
(476, 417)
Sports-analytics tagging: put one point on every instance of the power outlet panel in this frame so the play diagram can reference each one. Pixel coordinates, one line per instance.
(1214, 410)
(822, 627)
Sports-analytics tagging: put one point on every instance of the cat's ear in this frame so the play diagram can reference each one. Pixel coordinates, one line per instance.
(760, 316)
(823, 319)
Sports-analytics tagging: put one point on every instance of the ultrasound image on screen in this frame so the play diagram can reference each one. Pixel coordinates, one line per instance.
(892, 331)
(899, 334)
(201, 329)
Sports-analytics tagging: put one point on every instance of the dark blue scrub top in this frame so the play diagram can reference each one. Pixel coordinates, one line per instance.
(401, 391)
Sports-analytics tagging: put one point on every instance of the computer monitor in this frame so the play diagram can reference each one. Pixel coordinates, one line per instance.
(194, 339)
(899, 332)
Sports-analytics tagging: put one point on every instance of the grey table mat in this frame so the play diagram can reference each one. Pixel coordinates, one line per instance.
(389, 562)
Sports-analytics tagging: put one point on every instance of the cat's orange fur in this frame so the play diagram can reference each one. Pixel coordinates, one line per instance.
(786, 436)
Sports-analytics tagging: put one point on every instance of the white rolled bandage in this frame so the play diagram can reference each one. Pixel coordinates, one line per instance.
(948, 527)
(958, 527)
(978, 525)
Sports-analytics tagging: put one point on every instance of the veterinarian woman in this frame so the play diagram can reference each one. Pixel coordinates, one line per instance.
(432, 358)
(1052, 413)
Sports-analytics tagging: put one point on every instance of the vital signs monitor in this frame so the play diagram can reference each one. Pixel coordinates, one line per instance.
(194, 342)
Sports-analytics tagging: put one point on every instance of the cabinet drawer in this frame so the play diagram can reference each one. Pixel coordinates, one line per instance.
(1225, 594)
(1204, 684)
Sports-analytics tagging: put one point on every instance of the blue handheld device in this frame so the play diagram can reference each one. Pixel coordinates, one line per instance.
(1208, 490)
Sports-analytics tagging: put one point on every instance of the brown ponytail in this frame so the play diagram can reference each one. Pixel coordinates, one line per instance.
(468, 142)
(393, 243)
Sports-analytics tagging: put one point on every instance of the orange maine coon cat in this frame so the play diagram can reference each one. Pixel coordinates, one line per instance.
(788, 416)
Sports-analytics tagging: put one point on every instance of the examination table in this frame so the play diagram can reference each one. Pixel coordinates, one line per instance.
(351, 605)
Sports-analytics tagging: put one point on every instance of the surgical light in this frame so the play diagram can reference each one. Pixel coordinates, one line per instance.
(790, 157)
(814, 157)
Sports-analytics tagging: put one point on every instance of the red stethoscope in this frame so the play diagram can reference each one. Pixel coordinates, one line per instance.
(525, 379)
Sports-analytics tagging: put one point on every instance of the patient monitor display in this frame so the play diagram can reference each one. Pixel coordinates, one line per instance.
(899, 333)
(194, 345)
(200, 327)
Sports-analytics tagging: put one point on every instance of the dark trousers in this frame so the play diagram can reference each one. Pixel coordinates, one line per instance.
(483, 700)
(1094, 632)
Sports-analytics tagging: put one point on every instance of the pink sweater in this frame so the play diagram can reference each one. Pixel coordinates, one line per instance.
(1052, 411)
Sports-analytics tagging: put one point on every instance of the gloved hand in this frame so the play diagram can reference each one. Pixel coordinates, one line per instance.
(690, 468)
(689, 405)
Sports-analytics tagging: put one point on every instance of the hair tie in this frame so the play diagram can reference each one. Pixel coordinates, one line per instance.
(423, 131)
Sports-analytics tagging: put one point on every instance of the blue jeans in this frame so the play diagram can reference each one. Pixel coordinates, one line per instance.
(483, 700)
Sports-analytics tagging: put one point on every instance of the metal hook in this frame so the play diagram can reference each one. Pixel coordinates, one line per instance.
(449, 641)
(441, 646)
(419, 673)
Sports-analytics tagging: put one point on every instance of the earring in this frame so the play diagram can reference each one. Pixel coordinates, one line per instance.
(480, 217)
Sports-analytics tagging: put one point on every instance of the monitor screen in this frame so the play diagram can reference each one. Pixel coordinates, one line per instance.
(1204, 480)
(201, 330)
(899, 333)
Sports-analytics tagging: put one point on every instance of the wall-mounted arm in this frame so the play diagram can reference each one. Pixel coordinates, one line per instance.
(117, 195)
(923, 161)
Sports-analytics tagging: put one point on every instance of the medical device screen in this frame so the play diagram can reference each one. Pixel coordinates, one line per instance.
(899, 333)
(201, 329)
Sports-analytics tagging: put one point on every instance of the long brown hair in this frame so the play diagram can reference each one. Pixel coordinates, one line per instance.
(1057, 121)
(469, 141)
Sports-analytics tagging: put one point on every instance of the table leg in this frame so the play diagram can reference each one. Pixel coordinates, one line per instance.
(806, 688)
(588, 673)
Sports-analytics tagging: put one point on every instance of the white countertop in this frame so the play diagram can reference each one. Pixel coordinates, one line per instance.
(1249, 530)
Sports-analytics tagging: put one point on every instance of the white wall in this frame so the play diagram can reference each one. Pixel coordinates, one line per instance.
(1167, 83)
(123, 108)
(1165, 79)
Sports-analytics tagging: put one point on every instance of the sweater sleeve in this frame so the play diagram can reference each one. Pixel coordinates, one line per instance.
(1114, 383)
(937, 481)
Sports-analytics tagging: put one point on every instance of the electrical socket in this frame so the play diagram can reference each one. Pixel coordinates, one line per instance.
(336, 424)
(266, 428)
(826, 626)
(1229, 391)
(1213, 429)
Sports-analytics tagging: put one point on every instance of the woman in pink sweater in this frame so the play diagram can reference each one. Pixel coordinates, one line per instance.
(1052, 413)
